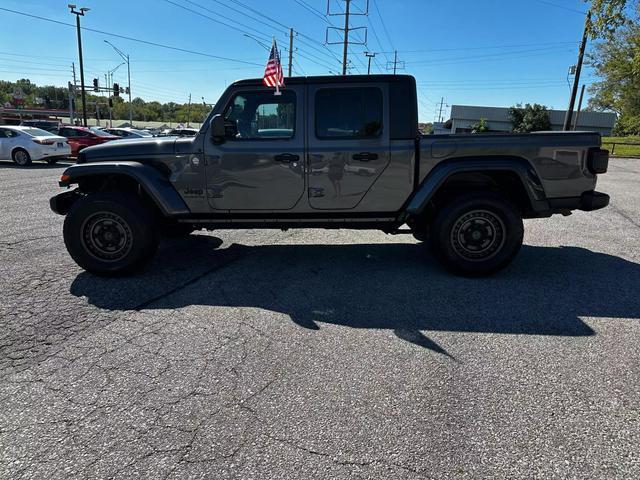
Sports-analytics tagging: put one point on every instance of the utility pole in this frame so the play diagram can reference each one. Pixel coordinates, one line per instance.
(189, 111)
(576, 81)
(71, 95)
(78, 14)
(345, 31)
(290, 50)
(575, 124)
(395, 61)
(440, 114)
(369, 56)
(345, 49)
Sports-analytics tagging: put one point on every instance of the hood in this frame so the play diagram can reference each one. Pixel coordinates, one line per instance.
(128, 149)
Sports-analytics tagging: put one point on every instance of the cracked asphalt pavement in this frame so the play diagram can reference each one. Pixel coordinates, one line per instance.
(317, 354)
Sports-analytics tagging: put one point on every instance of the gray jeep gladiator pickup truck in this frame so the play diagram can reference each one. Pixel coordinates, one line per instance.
(328, 152)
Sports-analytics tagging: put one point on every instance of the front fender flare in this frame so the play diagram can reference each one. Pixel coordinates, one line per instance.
(156, 185)
(441, 172)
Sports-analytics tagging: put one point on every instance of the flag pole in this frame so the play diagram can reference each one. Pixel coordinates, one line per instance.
(275, 49)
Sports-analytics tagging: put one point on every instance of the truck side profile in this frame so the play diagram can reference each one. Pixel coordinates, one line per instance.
(328, 152)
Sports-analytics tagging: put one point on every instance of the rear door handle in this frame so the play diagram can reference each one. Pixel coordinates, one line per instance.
(286, 158)
(365, 156)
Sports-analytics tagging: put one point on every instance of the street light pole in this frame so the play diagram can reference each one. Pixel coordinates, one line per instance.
(370, 56)
(78, 14)
(126, 59)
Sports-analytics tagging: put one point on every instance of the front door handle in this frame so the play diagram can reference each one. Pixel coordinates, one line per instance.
(286, 158)
(365, 156)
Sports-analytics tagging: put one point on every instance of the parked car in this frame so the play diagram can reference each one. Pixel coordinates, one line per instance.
(48, 125)
(24, 144)
(465, 196)
(128, 132)
(80, 137)
(179, 132)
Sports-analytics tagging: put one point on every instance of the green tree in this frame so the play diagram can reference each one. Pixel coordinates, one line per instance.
(530, 118)
(481, 126)
(616, 60)
(608, 15)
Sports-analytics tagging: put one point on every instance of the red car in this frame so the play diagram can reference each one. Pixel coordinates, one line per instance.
(80, 137)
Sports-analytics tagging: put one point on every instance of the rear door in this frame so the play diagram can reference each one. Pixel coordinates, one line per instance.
(260, 166)
(348, 142)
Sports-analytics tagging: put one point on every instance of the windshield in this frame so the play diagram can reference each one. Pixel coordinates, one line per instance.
(37, 132)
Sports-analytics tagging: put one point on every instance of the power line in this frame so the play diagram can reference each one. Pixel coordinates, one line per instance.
(384, 27)
(538, 44)
(265, 36)
(488, 55)
(132, 39)
(311, 9)
(561, 6)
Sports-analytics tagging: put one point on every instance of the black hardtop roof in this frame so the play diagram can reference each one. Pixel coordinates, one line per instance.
(331, 79)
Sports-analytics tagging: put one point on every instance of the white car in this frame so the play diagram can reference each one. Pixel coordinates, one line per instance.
(128, 132)
(24, 144)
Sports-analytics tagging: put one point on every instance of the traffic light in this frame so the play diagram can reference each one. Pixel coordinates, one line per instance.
(116, 90)
(126, 90)
(96, 87)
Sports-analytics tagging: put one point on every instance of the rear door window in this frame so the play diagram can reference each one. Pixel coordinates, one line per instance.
(351, 112)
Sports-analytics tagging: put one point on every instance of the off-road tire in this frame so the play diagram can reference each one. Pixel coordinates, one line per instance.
(110, 233)
(21, 157)
(477, 234)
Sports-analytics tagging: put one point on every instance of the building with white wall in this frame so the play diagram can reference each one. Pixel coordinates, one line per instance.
(463, 116)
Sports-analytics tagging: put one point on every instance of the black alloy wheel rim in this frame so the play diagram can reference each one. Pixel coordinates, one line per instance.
(106, 236)
(478, 235)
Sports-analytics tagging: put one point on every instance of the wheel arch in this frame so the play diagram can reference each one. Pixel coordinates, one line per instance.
(514, 177)
(126, 176)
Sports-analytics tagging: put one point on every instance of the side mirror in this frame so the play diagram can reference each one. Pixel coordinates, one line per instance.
(216, 129)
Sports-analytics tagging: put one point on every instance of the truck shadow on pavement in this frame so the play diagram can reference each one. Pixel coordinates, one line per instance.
(381, 286)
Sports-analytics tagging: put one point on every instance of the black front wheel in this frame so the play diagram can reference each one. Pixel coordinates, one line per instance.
(110, 233)
(477, 235)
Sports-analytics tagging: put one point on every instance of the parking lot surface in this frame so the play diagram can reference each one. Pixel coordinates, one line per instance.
(317, 354)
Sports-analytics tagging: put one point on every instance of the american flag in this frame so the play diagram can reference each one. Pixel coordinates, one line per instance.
(273, 76)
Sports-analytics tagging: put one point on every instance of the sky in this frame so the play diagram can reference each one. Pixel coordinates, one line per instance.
(467, 52)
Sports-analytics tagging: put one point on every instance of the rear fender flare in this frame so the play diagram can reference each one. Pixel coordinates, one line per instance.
(152, 181)
(441, 172)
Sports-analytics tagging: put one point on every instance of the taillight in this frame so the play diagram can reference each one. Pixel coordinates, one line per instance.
(598, 160)
(44, 142)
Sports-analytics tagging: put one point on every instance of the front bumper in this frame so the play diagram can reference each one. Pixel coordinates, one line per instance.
(587, 202)
(62, 202)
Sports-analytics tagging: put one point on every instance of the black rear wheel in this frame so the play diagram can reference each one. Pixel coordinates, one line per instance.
(477, 234)
(110, 233)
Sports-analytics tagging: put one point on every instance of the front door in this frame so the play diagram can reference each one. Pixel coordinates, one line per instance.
(4, 143)
(260, 165)
(348, 142)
